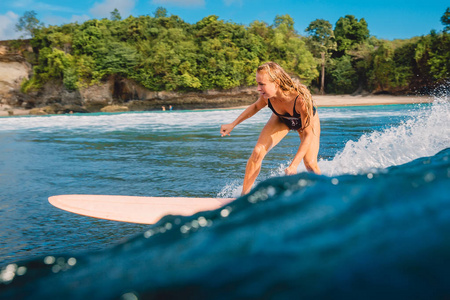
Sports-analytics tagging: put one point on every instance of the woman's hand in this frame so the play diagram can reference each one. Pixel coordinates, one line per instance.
(290, 170)
(226, 129)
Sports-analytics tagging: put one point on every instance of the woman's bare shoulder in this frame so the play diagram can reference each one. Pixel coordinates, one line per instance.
(261, 102)
(301, 106)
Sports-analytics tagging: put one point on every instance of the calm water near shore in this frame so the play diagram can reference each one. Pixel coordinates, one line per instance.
(178, 153)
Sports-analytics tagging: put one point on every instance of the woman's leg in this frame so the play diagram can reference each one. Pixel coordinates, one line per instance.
(272, 134)
(310, 158)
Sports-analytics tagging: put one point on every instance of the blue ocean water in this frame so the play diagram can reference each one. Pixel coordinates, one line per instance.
(375, 225)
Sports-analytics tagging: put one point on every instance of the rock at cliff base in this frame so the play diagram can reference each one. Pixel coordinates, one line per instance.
(37, 112)
(114, 108)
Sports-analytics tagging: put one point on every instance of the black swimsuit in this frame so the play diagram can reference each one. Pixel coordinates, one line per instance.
(294, 122)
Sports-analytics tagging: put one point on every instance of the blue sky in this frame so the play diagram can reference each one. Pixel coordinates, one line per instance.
(387, 19)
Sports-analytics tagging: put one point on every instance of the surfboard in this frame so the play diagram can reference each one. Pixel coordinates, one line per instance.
(134, 209)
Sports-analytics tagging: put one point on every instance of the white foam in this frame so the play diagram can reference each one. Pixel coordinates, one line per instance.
(231, 190)
(123, 121)
(423, 135)
(158, 120)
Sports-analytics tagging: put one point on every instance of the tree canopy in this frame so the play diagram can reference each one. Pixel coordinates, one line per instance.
(29, 24)
(322, 43)
(115, 15)
(166, 53)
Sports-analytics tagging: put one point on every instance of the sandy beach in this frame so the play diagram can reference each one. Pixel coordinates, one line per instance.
(348, 100)
(8, 111)
(319, 100)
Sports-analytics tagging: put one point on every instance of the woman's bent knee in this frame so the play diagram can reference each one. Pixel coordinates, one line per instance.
(258, 154)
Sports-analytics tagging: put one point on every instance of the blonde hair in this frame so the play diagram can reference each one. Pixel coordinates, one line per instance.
(287, 84)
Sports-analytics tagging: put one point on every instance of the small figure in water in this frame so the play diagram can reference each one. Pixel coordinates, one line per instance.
(293, 109)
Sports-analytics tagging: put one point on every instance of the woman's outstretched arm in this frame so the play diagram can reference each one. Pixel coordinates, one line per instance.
(247, 113)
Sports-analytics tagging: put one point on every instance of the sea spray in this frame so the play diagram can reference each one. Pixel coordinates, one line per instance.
(424, 134)
(231, 190)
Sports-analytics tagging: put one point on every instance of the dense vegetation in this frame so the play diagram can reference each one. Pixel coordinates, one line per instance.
(163, 52)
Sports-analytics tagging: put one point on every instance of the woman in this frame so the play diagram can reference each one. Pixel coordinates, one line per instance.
(293, 109)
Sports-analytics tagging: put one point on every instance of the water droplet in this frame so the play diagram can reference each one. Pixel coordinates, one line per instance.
(148, 233)
(21, 271)
(225, 212)
(194, 224)
(184, 229)
(252, 199)
(287, 193)
(302, 183)
(8, 273)
(429, 177)
(48, 260)
(271, 191)
(72, 261)
(202, 222)
(129, 296)
(56, 268)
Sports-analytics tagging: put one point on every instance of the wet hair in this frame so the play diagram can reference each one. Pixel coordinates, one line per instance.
(287, 84)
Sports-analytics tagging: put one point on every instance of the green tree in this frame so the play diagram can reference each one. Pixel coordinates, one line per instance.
(404, 65)
(445, 20)
(382, 67)
(29, 24)
(362, 61)
(286, 20)
(115, 15)
(225, 57)
(160, 12)
(166, 53)
(351, 37)
(343, 78)
(433, 56)
(321, 40)
(288, 49)
(349, 32)
(260, 28)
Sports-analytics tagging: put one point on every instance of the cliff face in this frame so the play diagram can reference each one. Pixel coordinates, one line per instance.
(13, 70)
(115, 91)
(127, 93)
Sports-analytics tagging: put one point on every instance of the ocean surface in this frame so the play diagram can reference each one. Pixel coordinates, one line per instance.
(375, 225)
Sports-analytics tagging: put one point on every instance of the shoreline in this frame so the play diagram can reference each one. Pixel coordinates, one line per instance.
(348, 100)
(319, 101)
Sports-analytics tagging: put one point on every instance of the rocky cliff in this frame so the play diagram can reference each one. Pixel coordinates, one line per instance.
(13, 70)
(113, 94)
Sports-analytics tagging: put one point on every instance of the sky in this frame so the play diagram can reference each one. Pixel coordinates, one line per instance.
(387, 19)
